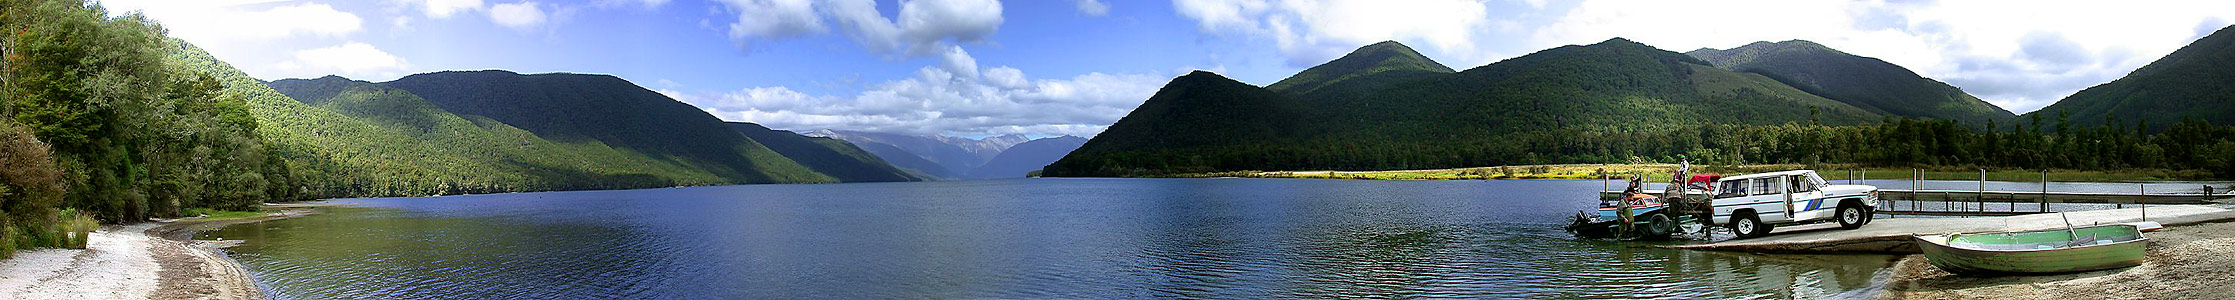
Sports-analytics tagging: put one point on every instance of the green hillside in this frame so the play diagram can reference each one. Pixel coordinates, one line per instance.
(1365, 70)
(826, 155)
(1488, 115)
(2192, 82)
(605, 109)
(366, 140)
(1864, 82)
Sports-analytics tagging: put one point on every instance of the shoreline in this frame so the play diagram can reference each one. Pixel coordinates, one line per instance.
(1658, 172)
(2183, 262)
(148, 260)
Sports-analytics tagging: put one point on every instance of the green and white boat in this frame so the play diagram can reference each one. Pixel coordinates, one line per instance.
(2066, 250)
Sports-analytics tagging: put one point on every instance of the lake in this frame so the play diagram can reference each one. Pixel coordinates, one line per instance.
(1026, 238)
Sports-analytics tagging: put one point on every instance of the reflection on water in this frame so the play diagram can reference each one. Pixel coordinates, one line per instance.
(1046, 238)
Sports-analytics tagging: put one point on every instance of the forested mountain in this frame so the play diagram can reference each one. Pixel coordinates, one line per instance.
(608, 110)
(826, 155)
(1527, 109)
(2193, 82)
(1365, 70)
(1864, 82)
(1027, 157)
(363, 139)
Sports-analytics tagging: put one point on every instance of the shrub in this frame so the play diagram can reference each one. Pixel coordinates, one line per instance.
(75, 227)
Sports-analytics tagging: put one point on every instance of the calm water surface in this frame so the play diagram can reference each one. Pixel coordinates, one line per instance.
(1038, 238)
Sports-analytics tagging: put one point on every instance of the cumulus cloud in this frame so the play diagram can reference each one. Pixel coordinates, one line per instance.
(923, 27)
(759, 20)
(1093, 7)
(1310, 32)
(523, 15)
(937, 101)
(352, 59)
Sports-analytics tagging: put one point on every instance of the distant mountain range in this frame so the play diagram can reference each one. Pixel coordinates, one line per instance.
(2191, 83)
(1003, 156)
(1384, 106)
(1024, 158)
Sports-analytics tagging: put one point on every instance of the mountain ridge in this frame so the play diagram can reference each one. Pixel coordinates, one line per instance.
(1204, 122)
(2189, 83)
(1864, 82)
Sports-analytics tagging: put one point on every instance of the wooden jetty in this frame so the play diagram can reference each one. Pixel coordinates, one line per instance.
(1975, 202)
(1892, 236)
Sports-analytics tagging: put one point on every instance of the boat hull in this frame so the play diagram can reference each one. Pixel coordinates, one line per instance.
(2127, 252)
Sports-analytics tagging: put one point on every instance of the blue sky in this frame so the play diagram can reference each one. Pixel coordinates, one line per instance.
(981, 67)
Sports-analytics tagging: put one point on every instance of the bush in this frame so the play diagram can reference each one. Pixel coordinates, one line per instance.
(73, 230)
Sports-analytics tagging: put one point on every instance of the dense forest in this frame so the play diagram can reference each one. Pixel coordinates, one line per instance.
(95, 120)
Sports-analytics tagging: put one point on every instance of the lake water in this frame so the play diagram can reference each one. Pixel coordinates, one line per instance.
(1033, 238)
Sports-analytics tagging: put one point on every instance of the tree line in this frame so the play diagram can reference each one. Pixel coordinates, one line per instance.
(2030, 143)
(94, 120)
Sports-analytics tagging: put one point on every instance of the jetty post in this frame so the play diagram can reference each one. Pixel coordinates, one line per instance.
(1982, 189)
(2145, 201)
(2044, 190)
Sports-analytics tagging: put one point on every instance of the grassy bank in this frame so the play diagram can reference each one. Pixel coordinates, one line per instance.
(1660, 173)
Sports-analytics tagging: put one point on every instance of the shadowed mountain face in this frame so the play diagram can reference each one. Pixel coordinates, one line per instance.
(1026, 157)
(1864, 82)
(2190, 83)
(1408, 115)
(609, 110)
(826, 155)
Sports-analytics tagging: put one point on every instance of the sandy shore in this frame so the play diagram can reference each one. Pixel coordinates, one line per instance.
(2185, 262)
(154, 260)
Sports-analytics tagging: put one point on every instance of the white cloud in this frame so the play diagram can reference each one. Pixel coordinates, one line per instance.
(244, 21)
(923, 27)
(937, 101)
(2020, 56)
(759, 20)
(523, 15)
(1309, 32)
(352, 59)
(1094, 8)
(955, 61)
(440, 9)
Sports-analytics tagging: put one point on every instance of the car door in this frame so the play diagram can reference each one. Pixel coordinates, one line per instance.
(1808, 198)
(1771, 191)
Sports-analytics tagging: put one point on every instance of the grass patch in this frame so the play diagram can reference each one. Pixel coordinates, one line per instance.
(213, 214)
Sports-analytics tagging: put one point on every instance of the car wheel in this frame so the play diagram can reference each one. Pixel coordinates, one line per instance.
(1747, 226)
(1851, 217)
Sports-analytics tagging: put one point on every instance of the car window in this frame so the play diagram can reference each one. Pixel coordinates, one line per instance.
(1765, 186)
(1800, 184)
(1730, 188)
